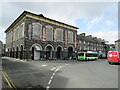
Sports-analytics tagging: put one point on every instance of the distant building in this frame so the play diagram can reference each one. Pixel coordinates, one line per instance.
(111, 46)
(89, 43)
(1, 48)
(117, 45)
(36, 37)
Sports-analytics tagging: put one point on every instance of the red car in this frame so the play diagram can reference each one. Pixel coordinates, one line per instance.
(113, 57)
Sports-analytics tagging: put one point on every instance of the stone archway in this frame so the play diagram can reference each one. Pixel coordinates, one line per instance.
(21, 52)
(48, 52)
(13, 52)
(70, 52)
(8, 52)
(36, 52)
(59, 53)
(17, 50)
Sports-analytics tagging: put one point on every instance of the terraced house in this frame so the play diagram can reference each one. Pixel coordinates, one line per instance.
(33, 36)
(89, 43)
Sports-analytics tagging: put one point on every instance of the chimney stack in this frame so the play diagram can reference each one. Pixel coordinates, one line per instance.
(89, 36)
(82, 34)
(95, 38)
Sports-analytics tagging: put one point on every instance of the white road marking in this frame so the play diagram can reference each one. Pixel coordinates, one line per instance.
(55, 71)
(53, 74)
(51, 77)
(44, 65)
(49, 82)
(53, 68)
(47, 88)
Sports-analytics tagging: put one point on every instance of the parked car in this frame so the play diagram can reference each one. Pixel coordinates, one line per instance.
(113, 57)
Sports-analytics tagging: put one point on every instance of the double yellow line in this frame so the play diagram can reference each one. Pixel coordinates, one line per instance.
(9, 82)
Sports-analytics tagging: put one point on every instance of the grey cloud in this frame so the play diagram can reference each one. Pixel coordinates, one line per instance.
(66, 12)
(66, 9)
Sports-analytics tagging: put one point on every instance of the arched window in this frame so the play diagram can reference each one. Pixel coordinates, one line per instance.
(59, 35)
(49, 33)
(79, 47)
(70, 37)
(37, 29)
(30, 31)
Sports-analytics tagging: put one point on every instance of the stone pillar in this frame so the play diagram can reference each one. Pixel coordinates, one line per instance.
(54, 54)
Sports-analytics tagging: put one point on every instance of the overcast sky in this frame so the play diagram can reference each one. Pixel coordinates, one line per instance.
(99, 19)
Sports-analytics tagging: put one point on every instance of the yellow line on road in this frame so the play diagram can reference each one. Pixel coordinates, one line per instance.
(10, 83)
(7, 80)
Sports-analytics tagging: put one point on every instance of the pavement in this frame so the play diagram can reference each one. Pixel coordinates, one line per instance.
(61, 73)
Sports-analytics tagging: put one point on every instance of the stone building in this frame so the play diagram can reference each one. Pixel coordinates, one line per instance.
(37, 37)
(117, 45)
(1, 48)
(89, 43)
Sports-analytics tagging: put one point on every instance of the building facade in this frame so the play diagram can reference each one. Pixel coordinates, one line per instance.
(1, 48)
(89, 43)
(117, 45)
(36, 37)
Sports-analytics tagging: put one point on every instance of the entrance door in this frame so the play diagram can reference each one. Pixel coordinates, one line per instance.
(70, 52)
(35, 53)
(17, 52)
(21, 53)
(58, 53)
(49, 52)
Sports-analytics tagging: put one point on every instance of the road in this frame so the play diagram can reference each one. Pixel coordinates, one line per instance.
(61, 73)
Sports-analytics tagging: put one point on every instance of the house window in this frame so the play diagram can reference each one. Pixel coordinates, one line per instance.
(43, 33)
(70, 37)
(88, 43)
(20, 31)
(14, 38)
(79, 47)
(22, 28)
(79, 41)
(30, 31)
(17, 33)
(59, 35)
(49, 33)
(84, 42)
(37, 30)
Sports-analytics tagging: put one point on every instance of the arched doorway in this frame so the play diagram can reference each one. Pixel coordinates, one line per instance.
(8, 52)
(70, 52)
(48, 52)
(21, 52)
(36, 52)
(59, 53)
(13, 52)
(17, 49)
